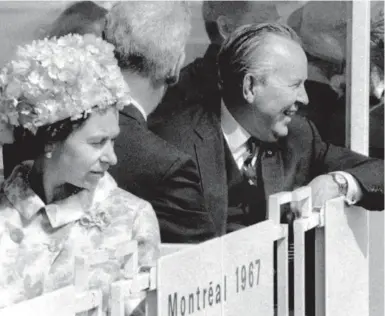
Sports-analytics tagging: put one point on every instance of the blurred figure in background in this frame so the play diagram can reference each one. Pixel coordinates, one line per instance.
(322, 27)
(79, 18)
(199, 78)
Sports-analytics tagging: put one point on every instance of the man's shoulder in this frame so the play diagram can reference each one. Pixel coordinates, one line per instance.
(142, 153)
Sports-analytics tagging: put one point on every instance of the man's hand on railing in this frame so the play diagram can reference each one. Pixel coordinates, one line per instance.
(323, 188)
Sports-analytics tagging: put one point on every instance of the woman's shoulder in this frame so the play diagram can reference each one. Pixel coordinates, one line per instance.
(125, 201)
(133, 199)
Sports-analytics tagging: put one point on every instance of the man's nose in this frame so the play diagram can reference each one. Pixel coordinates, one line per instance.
(109, 155)
(302, 95)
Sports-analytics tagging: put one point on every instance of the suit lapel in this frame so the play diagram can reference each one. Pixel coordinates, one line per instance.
(210, 156)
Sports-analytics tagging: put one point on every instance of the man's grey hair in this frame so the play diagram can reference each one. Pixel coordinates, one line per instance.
(149, 36)
(238, 57)
(263, 11)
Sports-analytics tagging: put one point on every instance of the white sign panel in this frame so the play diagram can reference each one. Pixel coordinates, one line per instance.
(190, 281)
(346, 259)
(231, 275)
(249, 270)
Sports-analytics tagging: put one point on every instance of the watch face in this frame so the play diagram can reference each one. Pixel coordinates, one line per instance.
(342, 183)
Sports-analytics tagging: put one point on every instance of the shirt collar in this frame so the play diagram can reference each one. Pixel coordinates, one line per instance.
(28, 203)
(235, 135)
(140, 108)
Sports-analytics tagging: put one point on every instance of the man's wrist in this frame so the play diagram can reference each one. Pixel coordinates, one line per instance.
(348, 186)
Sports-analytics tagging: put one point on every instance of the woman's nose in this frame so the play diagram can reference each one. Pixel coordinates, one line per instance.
(109, 155)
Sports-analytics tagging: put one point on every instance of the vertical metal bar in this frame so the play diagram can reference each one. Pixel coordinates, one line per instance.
(283, 274)
(320, 300)
(299, 267)
(357, 76)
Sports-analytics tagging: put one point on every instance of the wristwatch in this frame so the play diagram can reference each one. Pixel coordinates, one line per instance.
(341, 182)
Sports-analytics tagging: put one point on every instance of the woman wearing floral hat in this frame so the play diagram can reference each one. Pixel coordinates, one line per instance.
(64, 96)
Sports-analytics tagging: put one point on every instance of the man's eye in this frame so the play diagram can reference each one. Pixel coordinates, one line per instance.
(296, 85)
(98, 143)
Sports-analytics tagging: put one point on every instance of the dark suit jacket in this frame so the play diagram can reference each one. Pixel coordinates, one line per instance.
(298, 158)
(156, 171)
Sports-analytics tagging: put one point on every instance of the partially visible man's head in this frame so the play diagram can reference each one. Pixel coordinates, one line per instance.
(223, 17)
(79, 18)
(262, 71)
(149, 37)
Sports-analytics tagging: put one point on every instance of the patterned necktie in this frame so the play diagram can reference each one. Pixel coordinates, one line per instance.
(252, 170)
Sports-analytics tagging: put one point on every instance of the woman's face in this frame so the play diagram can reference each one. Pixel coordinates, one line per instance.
(87, 153)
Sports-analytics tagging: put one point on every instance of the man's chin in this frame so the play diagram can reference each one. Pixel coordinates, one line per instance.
(279, 133)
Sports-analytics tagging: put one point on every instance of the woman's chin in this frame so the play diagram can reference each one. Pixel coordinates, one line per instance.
(92, 181)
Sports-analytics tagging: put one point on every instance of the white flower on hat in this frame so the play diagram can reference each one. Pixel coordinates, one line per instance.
(54, 79)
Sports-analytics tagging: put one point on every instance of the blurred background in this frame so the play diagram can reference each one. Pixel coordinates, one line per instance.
(322, 26)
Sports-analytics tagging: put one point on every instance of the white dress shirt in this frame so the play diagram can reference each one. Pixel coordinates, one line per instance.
(236, 137)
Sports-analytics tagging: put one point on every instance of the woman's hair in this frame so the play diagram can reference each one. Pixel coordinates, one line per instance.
(79, 18)
(56, 132)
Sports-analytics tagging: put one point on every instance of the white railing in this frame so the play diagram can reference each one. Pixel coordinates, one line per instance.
(234, 274)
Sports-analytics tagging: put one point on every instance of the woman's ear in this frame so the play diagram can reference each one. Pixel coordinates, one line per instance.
(249, 89)
(225, 26)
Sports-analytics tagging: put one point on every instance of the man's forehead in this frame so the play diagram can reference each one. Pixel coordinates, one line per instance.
(275, 45)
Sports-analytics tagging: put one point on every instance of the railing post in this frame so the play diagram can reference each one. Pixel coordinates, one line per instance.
(357, 76)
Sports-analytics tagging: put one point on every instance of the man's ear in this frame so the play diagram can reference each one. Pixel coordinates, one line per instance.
(249, 88)
(225, 26)
(174, 73)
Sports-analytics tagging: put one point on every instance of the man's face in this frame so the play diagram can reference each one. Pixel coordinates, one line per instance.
(276, 99)
(84, 157)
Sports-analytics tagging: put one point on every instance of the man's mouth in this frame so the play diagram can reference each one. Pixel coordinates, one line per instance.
(289, 112)
(99, 173)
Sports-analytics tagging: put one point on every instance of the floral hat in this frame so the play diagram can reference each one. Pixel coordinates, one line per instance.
(54, 79)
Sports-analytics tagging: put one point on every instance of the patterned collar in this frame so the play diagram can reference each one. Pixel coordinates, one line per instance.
(28, 203)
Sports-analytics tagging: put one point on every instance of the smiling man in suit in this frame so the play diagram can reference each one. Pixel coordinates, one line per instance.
(248, 143)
